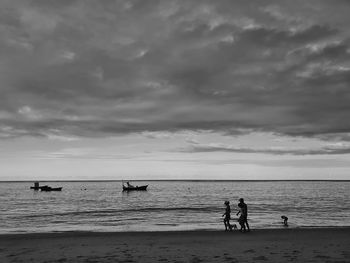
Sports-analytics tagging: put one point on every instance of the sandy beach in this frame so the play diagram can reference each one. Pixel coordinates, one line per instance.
(273, 245)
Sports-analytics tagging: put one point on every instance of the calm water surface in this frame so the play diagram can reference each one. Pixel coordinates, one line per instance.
(171, 205)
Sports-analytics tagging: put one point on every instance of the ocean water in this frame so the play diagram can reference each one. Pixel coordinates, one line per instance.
(170, 205)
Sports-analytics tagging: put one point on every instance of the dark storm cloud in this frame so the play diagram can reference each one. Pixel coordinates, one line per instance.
(91, 69)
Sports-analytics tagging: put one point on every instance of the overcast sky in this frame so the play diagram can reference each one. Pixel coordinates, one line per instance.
(145, 89)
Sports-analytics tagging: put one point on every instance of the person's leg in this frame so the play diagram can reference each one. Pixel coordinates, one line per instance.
(246, 222)
(225, 223)
(243, 227)
(248, 229)
(229, 225)
(241, 222)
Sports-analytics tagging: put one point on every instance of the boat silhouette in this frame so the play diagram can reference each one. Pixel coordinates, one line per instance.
(130, 187)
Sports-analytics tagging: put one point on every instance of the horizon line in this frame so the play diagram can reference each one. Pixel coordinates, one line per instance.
(183, 180)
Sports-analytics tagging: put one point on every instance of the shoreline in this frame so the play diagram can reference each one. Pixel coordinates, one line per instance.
(180, 231)
(269, 245)
(92, 232)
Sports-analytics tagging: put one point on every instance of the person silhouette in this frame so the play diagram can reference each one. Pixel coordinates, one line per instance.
(130, 185)
(227, 216)
(241, 219)
(285, 220)
(244, 214)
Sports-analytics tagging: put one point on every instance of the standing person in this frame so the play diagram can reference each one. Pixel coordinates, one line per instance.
(244, 212)
(227, 216)
(130, 185)
(241, 219)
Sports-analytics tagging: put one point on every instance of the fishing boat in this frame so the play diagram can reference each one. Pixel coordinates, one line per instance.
(135, 188)
(45, 188)
(49, 189)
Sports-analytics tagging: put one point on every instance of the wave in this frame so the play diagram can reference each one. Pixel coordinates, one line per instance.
(124, 211)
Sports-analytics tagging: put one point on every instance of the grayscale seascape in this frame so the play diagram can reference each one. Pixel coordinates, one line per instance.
(178, 131)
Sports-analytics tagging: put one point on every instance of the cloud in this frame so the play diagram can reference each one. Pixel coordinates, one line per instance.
(215, 147)
(85, 69)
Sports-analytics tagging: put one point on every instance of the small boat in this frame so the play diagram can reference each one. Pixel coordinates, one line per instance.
(49, 189)
(135, 188)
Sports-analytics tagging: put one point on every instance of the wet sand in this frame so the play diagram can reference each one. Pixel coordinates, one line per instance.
(270, 245)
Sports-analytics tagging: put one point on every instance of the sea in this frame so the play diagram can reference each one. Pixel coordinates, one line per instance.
(170, 205)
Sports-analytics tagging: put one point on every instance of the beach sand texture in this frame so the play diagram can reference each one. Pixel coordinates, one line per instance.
(273, 245)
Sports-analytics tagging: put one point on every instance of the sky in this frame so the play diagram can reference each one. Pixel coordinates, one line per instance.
(157, 89)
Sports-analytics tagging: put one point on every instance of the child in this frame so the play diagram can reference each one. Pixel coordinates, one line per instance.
(285, 220)
(227, 216)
